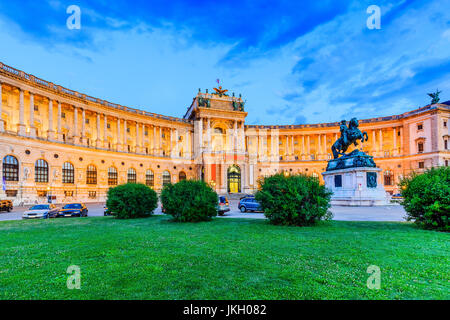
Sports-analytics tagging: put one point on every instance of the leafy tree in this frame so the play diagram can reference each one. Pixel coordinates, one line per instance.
(297, 200)
(131, 200)
(189, 201)
(427, 198)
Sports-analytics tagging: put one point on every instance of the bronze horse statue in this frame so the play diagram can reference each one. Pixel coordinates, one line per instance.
(348, 136)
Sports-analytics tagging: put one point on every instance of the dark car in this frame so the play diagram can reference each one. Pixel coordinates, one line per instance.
(249, 204)
(73, 210)
(6, 205)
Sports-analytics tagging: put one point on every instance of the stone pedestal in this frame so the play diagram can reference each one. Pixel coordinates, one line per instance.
(357, 186)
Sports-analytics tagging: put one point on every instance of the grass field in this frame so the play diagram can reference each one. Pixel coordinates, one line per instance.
(155, 258)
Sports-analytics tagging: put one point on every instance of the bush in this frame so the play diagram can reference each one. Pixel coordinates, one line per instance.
(427, 198)
(294, 200)
(131, 200)
(189, 201)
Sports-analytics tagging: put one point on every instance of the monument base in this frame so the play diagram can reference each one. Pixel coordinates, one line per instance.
(359, 186)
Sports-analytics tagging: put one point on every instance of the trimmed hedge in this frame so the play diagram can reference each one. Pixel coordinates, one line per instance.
(427, 198)
(297, 200)
(189, 201)
(131, 200)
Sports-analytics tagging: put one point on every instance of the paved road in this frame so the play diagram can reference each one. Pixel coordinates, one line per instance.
(383, 213)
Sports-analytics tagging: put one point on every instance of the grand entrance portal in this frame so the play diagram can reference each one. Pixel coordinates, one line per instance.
(234, 179)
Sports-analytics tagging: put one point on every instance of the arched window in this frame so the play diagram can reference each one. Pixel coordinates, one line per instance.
(149, 178)
(181, 176)
(68, 173)
(10, 168)
(131, 175)
(166, 178)
(112, 176)
(41, 171)
(388, 178)
(91, 174)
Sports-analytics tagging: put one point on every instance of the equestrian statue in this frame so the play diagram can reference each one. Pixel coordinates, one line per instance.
(349, 135)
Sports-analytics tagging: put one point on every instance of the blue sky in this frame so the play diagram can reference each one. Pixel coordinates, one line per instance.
(293, 61)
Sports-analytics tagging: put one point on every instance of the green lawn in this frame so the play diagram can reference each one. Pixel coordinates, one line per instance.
(155, 258)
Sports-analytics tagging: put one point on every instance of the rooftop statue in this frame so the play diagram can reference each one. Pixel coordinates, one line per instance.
(349, 135)
(221, 92)
(435, 96)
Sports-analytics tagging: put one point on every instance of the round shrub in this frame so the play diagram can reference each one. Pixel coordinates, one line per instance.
(189, 201)
(427, 198)
(297, 200)
(131, 200)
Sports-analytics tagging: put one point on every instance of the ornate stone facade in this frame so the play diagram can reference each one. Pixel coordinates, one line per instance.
(60, 143)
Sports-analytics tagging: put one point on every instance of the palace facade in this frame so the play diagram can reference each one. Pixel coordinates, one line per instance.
(59, 143)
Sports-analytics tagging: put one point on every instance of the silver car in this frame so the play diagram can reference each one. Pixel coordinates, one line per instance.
(40, 211)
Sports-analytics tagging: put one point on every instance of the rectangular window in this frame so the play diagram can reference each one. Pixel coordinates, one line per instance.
(446, 163)
(420, 147)
(42, 193)
(128, 130)
(36, 108)
(445, 124)
(445, 144)
(63, 115)
(68, 193)
(421, 165)
(92, 194)
(420, 127)
(87, 121)
(11, 193)
(108, 126)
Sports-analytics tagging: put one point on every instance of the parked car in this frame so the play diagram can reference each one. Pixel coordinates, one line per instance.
(106, 211)
(247, 196)
(249, 204)
(73, 210)
(6, 205)
(397, 196)
(41, 211)
(223, 205)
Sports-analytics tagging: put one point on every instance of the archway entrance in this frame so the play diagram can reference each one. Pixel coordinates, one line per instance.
(234, 179)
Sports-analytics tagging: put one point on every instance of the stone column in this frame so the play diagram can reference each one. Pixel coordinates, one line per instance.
(160, 142)
(308, 144)
(51, 132)
(208, 133)
(154, 140)
(186, 144)
(143, 138)
(83, 126)
(235, 147)
(319, 146)
(119, 136)
(21, 128)
(374, 143)
(76, 137)
(325, 151)
(58, 129)
(2, 124)
(303, 147)
(401, 140)
(105, 131)
(138, 144)
(32, 133)
(177, 150)
(380, 134)
(292, 147)
(200, 135)
(395, 141)
(98, 141)
(125, 136)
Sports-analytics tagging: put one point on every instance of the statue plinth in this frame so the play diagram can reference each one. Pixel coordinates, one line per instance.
(355, 180)
(355, 159)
